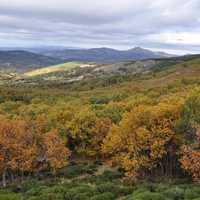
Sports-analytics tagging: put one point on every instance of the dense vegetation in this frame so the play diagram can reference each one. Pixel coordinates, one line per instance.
(144, 127)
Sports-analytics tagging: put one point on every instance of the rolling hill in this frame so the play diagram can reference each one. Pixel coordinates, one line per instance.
(24, 60)
(105, 55)
(71, 70)
(53, 69)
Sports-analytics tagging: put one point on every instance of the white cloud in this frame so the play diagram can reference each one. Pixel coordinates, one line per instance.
(116, 23)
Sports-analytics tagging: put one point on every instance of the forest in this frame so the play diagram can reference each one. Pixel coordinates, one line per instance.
(122, 137)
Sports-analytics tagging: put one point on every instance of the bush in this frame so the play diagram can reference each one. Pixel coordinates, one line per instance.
(55, 189)
(126, 190)
(35, 191)
(111, 175)
(70, 195)
(10, 196)
(174, 193)
(82, 192)
(147, 196)
(108, 187)
(104, 196)
(73, 171)
(191, 193)
(140, 190)
(160, 187)
(27, 185)
(51, 196)
(83, 189)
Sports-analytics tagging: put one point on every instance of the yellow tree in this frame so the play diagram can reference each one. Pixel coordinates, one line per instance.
(25, 146)
(190, 159)
(143, 138)
(97, 135)
(10, 148)
(56, 154)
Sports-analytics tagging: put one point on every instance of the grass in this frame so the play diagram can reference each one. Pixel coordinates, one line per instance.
(55, 68)
(108, 185)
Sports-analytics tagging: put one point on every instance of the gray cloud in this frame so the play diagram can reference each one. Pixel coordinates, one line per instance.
(159, 24)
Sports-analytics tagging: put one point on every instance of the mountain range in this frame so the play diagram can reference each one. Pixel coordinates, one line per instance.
(23, 60)
(105, 55)
(35, 58)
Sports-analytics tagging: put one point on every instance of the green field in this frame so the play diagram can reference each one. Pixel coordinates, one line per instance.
(55, 68)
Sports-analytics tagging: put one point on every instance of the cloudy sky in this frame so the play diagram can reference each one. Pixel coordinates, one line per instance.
(171, 25)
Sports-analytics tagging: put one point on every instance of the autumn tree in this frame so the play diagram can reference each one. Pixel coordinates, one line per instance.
(56, 153)
(97, 135)
(144, 140)
(26, 147)
(189, 126)
(78, 129)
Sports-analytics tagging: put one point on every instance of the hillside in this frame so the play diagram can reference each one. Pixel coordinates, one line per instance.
(105, 55)
(24, 61)
(76, 71)
(55, 68)
(127, 130)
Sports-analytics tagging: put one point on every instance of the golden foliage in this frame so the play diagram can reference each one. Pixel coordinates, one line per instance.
(143, 137)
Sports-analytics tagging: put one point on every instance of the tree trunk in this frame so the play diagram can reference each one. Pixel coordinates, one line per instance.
(12, 177)
(4, 179)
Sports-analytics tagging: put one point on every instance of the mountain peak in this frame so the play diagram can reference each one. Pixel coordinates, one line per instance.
(139, 49)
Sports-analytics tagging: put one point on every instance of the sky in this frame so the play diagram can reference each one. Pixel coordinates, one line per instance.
(168, 25)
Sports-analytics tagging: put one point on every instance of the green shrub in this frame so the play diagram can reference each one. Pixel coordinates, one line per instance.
(147, 196)
(35, 191)
(33, 198)
(140, 190)
(191, 193)
(108, 187)
(104, 196)
(51, 196)
(71, 195)
(55, 189)
(10, 196)
(30, 184)
(73, 171)
(160, 187)
(174, 193)
(126, 190)
(111, 175)
(82, 192)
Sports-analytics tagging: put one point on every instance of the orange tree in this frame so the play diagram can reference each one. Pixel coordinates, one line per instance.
(189, 126)
(145, 140)
(26, 147)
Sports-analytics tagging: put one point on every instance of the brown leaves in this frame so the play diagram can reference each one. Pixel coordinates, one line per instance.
(143, 137)
(191, 162)
(24, 147)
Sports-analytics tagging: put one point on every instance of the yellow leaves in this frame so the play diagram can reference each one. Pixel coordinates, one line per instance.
(55, 152)
(112, 141)
(142, 137)
(24, 145)
(191, 162)
(81, 123)
(190, 159)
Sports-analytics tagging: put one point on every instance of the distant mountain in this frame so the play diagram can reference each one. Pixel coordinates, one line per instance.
(104, 55)
(24, 61)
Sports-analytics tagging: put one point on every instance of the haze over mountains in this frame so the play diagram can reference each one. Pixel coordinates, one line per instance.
(33, 58)
(103, 55)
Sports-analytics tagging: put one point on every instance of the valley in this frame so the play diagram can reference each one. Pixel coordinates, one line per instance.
(99, 100)
(126, 130)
